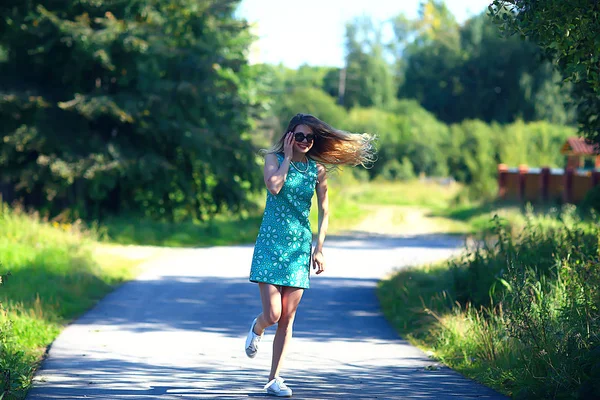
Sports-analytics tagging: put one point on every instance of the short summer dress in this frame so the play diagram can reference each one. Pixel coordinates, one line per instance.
(283, 247)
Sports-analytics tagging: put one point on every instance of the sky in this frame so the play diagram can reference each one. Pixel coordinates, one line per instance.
(294, 32)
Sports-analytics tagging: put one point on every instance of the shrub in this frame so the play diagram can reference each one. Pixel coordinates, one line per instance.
(396, 171)
(591, 201)
(541, 291)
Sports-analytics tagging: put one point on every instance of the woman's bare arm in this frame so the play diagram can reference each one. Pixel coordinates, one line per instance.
(323, 204)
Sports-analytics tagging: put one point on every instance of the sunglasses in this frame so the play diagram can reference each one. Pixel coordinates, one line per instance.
(299, 137)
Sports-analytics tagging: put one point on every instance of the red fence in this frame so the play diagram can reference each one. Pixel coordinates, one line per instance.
(537, 185)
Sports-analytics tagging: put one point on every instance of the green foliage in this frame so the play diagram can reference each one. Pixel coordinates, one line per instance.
(475, 149)
(568, 33)
(9, 356)
(326, 78)
(471, 72)
(53, 279)
(149, 107)
(472, 157)
(219, 231)
(309, 101)
(534, 143)
(390, 139)
(521, 314)
(591, 201)
(369, 82)
(476, 99)
(139, 107)
(406, 130)
(394, 170)
(469, 151)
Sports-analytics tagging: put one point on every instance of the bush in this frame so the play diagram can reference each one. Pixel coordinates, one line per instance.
(591, 201)
(399, 136)
(468, 151)
(542, 288)
(309, 101)
(521, 313)
(395, 171)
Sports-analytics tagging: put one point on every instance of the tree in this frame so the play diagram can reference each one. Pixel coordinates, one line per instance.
(472, 72)
(567, 31)
(308, 100)
(136, 106)
(436, 23)
(369, 81)
(406, 130)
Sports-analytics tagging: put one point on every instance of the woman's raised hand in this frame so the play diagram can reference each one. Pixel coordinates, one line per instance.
(288, 146)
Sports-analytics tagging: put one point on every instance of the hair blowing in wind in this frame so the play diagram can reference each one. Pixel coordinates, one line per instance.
(332, 146)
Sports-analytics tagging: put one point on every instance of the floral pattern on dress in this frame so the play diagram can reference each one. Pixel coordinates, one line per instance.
(283, 246)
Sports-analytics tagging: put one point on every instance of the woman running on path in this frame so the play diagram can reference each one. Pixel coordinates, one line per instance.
(294, 170)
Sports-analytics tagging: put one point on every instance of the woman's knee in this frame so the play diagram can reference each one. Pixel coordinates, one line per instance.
(272, 317)
(286, 320)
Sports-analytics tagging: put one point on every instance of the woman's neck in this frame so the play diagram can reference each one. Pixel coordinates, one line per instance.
(298, 157)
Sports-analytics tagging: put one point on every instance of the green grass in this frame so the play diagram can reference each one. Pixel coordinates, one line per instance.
(352, 201)
(478, 218)
(221, 230)
(430, 195)
(474, 218)
(437, 201)
(343, 212)
(225, 229)
(53, 279)
(521, 314)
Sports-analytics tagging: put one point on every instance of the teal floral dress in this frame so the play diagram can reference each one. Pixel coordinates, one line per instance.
(283, 247)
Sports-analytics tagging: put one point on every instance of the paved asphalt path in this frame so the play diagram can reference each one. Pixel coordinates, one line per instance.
(178, 331)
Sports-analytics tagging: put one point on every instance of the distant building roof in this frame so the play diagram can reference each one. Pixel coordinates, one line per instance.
(578, 146)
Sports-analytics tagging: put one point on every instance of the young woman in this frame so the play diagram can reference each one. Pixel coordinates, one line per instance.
(294, 170)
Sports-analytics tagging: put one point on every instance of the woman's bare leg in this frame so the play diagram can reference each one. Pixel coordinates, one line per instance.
(270, 296)
(290, 298)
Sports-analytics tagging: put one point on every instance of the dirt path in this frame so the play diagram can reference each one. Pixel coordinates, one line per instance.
(402, 220)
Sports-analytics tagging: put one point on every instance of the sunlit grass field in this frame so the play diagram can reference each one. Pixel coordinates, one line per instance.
(428, 194)
(54, 277)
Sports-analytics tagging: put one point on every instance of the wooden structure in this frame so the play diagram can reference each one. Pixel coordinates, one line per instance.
(578, 150)
(569, 185)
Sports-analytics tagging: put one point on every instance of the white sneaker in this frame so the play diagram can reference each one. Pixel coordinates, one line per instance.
(252, 341)
(277, 388)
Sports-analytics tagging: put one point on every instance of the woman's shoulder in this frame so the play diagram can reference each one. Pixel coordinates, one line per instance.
(274, 156)
(277, 155)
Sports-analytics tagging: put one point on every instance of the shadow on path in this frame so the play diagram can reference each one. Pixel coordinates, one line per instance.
(212, 381)
(227, 305)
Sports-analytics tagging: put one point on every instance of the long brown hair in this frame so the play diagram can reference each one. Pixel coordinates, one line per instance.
(332, 146)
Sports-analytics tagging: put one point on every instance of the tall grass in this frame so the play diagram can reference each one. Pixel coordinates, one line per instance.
(52, 279)
(520, 313)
